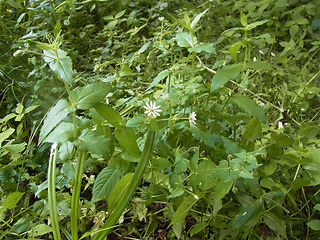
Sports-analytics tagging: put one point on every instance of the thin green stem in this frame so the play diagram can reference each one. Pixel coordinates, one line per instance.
(75, 199)
(116, 214)
(52, 193)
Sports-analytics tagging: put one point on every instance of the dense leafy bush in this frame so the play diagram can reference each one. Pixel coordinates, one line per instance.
(160, 119)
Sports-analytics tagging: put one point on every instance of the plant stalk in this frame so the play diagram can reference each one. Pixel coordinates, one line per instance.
(52, 193)
(75, 199)
(133, 185)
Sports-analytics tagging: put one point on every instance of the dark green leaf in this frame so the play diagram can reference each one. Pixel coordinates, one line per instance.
(222, 189)
(95, 143)
(10, 201)
(184, 209)
(253, 131)
(163, 74)
(224, 75)
(275, 223)
(314, 224)
(105, 182)
(128, 140)
(247, 213)
(198, 228)
(62, 133)
(109, 114)
(249, 106)
(4, 135)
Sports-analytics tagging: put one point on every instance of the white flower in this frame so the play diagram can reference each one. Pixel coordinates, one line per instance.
(280, 125)
(254, 59)
(261, 52)
(160, 18)
(165, 96)
(192, 118)
(272, 54)
(152, 109)
(260, 103)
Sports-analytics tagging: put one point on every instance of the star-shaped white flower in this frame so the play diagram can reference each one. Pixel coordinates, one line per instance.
(192, 118)
(152, 109)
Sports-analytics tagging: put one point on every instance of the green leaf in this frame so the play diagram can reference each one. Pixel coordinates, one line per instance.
(253, 131)
(243, 19)
(184, 209)
(222, 189)
(184, 40)
(183, 24)
(198, 228)
(255, 24)
(109, 114)
(11, 201)
(54, 117)
(14, 4)
(128, 140)
(95, 143)
(209, 139)
(62, 133)
(40, 230)
(161, 75)
(249, 106)
(247, 213)
(275, 223)
(105, 182)
(59, 63)
(224, 75)
(203, 47)
(15, 148)
(4, 135)
(282, 140)
(233, 50)
(86, 97)
(194, 160)
(197, 18)
(314, 225)
(118, 191)
(317, 207)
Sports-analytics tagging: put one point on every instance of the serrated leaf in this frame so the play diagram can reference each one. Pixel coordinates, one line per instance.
(40, 230)
(127, 138)
(118, 191)
(183, 209)
(198, 228)
(197, 18)
(4, 135)
(247, 213)
(10, 201)
(54, 117)
(95, 143)
(253, 131)
(161, 75)
(203, 47)
(62, 133)
(224, 75)
(184, 40)
(249, 106)
(88, 96)
(59, 63)
(109, 114)
(105, 182)
(275, 223)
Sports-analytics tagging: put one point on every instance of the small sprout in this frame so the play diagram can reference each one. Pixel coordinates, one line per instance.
(16, 53)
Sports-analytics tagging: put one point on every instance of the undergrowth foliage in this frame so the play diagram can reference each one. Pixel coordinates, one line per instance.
(160, 119)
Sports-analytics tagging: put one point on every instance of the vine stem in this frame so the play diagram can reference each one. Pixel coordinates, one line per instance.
(75, 199)
(52, 192)
(133, 185)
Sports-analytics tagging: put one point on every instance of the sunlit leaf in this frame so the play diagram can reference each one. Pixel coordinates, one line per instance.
(224, 75)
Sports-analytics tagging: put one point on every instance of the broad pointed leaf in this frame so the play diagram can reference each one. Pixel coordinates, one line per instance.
(184, 209)
(224, 75)
(128, 140)
(90, 95)
(249, 106)
(105, 182)
(60, 63)
(62, 133)
(163, 74)
(54, 117)
(4, 135)
(247, 213)
(197, 18)
(109, 114)
(184, 40)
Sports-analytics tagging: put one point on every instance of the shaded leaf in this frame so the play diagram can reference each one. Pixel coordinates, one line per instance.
(109, 114)
(11, 201)
(222, 189)
(247, 213)
(314, 224)
(275, 223)
(183, 209)
(4, 135)
(40, 230)
(253, 131)
(198, 228)
(128, 140)
(95, 143)
(249, 106)
(161, 75)
(62, 133)
(105, 182)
